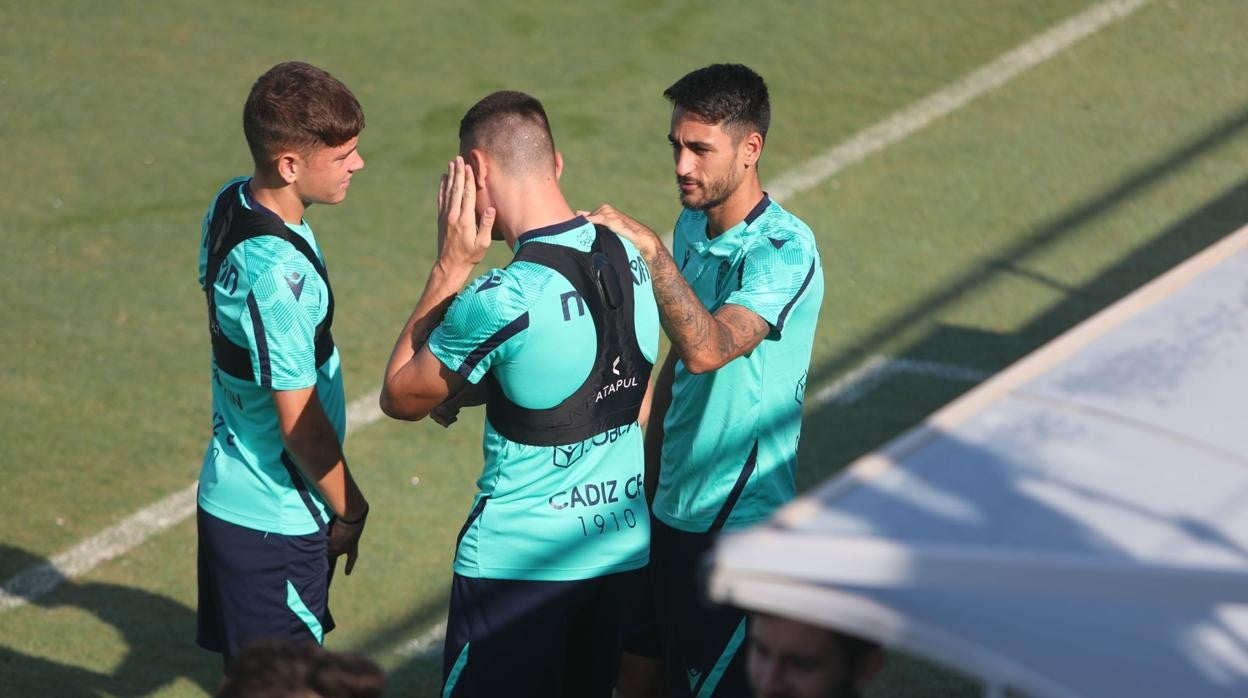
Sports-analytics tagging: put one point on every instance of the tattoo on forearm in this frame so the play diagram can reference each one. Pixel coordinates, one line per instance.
(690, 325)
(684, 318)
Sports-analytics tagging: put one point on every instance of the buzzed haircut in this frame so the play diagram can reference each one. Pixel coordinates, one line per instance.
(724, 93)
(512, 127)
(297, 106)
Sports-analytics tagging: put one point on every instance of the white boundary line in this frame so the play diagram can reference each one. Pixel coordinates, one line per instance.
(425, 646)
(854, 385)
(137, 528)
(132, 531)
(905, 122)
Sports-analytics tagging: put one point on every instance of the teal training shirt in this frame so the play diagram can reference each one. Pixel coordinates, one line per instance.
(730, 436)
(547, 513)
(269, 299)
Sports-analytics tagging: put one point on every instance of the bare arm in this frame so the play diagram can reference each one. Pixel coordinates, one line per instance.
(313, 444)
(416, 382)
(705, 342)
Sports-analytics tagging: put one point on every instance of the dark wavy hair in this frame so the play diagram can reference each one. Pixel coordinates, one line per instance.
(724, 93)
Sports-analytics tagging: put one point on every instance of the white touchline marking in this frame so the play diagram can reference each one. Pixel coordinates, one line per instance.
(427, 646)
(118, 539)
(851, 387)
(38, 580)
(134, 530)
(918, 115)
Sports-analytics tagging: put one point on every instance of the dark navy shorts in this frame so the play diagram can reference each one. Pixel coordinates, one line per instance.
(701, 644)
(255, 585)
(514, 637)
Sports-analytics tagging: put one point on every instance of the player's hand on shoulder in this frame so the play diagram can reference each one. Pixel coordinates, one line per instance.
(462, 240)
(627, 227)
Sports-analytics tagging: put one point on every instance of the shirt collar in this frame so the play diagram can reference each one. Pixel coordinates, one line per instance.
(549, 230)
(728, 242)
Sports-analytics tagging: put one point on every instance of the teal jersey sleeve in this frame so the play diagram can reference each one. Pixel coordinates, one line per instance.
(774, 274)
(680, 242)
(288, 299)
(485, 325)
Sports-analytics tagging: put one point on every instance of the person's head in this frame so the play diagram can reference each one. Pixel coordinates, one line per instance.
(506, 138)
(302, 126)
(791, 659)
(720, 116)
(277, 669)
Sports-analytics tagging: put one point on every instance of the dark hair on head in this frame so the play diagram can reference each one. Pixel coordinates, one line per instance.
(724, 93)
(297, 106)
(279, 669)
(512, 127)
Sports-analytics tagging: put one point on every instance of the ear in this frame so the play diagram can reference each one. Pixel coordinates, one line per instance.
(751, 148)
(481, 165)
(558, 165)
(288, 164)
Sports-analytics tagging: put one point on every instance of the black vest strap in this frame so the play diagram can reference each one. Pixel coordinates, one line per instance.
(233, 223)
(612, 393)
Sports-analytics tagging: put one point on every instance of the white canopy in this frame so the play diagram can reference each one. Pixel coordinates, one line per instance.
(1075, 526)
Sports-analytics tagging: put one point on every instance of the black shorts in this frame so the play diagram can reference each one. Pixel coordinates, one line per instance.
(528, 638)
(701, 644)
(255, 585)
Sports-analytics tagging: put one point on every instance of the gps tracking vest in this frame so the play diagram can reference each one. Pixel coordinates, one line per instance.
(611, 396)
(233, 223)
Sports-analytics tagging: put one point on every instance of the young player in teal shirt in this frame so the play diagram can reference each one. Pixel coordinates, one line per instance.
(277, 504)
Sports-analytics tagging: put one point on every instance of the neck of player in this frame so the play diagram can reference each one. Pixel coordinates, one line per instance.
(528, 204)
(279, 196)
(736, 207)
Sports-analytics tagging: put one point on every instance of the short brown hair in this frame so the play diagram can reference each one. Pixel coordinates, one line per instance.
(297, 106)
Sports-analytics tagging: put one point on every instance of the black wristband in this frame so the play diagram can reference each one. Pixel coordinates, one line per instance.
(358, 520)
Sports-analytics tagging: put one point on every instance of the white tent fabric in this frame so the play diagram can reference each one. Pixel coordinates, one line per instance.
(1076, 526)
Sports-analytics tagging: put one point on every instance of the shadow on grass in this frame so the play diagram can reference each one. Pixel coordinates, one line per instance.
(836, 433)
(158, 634)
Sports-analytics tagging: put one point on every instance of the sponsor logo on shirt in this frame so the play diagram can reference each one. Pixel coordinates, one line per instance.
(592, 494)
(565, 456)
(618, 385)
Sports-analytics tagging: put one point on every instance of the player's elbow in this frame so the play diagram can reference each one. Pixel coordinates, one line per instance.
(395, 407)
(698, 363)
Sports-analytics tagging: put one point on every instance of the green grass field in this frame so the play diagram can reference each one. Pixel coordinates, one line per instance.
(968, 243)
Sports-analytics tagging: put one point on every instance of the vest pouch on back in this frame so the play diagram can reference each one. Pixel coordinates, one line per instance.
(611, 395)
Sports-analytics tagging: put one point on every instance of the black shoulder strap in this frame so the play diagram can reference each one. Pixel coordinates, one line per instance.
(231, 225)
(611, 395)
